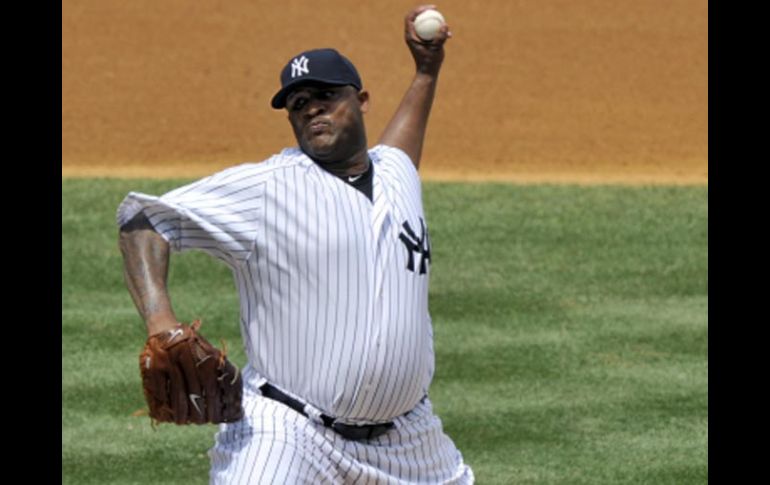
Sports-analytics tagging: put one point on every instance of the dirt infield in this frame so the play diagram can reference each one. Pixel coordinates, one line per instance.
(532, 91)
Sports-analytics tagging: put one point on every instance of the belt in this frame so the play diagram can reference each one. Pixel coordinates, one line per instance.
(347, 431)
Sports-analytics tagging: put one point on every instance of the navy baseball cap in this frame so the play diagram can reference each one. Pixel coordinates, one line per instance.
(319, 65)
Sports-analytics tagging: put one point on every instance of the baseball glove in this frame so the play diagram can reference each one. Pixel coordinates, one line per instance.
(188, 380)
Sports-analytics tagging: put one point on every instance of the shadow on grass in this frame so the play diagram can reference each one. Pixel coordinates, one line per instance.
(499, 362)
(489, 305)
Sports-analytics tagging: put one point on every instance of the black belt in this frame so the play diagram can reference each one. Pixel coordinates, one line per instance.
(348, 431)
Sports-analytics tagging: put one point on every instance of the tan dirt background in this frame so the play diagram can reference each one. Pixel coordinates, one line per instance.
(531, 90)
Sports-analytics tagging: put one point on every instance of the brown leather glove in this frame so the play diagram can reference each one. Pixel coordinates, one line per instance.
(188, 380)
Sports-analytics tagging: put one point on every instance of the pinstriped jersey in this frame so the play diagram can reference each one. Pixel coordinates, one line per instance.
(333, 286)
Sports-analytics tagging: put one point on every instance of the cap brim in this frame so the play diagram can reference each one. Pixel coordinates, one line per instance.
(279, 100)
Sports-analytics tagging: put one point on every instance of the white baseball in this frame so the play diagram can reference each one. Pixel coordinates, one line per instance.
(428, 23)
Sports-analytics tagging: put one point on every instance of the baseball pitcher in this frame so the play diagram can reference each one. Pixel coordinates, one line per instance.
(330, 250)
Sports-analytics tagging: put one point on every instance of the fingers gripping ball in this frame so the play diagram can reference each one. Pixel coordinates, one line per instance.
(187, 380)
(428, 23)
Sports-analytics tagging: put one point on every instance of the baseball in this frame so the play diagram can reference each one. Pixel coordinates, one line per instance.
(428, 23)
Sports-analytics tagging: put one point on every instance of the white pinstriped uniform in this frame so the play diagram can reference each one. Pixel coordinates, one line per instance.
(334, 312)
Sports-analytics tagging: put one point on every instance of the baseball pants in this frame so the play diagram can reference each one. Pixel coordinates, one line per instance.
(275, 444)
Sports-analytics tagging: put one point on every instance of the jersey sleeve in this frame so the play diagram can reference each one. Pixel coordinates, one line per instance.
(398, 162)
(395, 156)
(217, 214)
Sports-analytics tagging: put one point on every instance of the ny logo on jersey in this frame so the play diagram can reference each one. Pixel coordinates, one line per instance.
(299, 67)
(414, 244)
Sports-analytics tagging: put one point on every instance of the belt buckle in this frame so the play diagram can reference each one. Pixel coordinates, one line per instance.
(363, 432)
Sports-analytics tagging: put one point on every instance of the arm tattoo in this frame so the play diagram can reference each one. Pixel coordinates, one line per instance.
(145, 267)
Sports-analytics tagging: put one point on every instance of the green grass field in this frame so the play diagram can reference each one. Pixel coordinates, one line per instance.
(571, 328)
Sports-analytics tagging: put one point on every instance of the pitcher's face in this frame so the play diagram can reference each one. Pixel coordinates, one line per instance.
(328, 120)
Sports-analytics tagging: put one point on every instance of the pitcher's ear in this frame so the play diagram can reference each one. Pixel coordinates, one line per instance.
(363, 99)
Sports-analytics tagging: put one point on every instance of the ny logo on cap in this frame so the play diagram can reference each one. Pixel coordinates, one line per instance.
(299, 67)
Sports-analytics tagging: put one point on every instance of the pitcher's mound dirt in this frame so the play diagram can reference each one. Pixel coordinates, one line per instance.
(548, 91)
